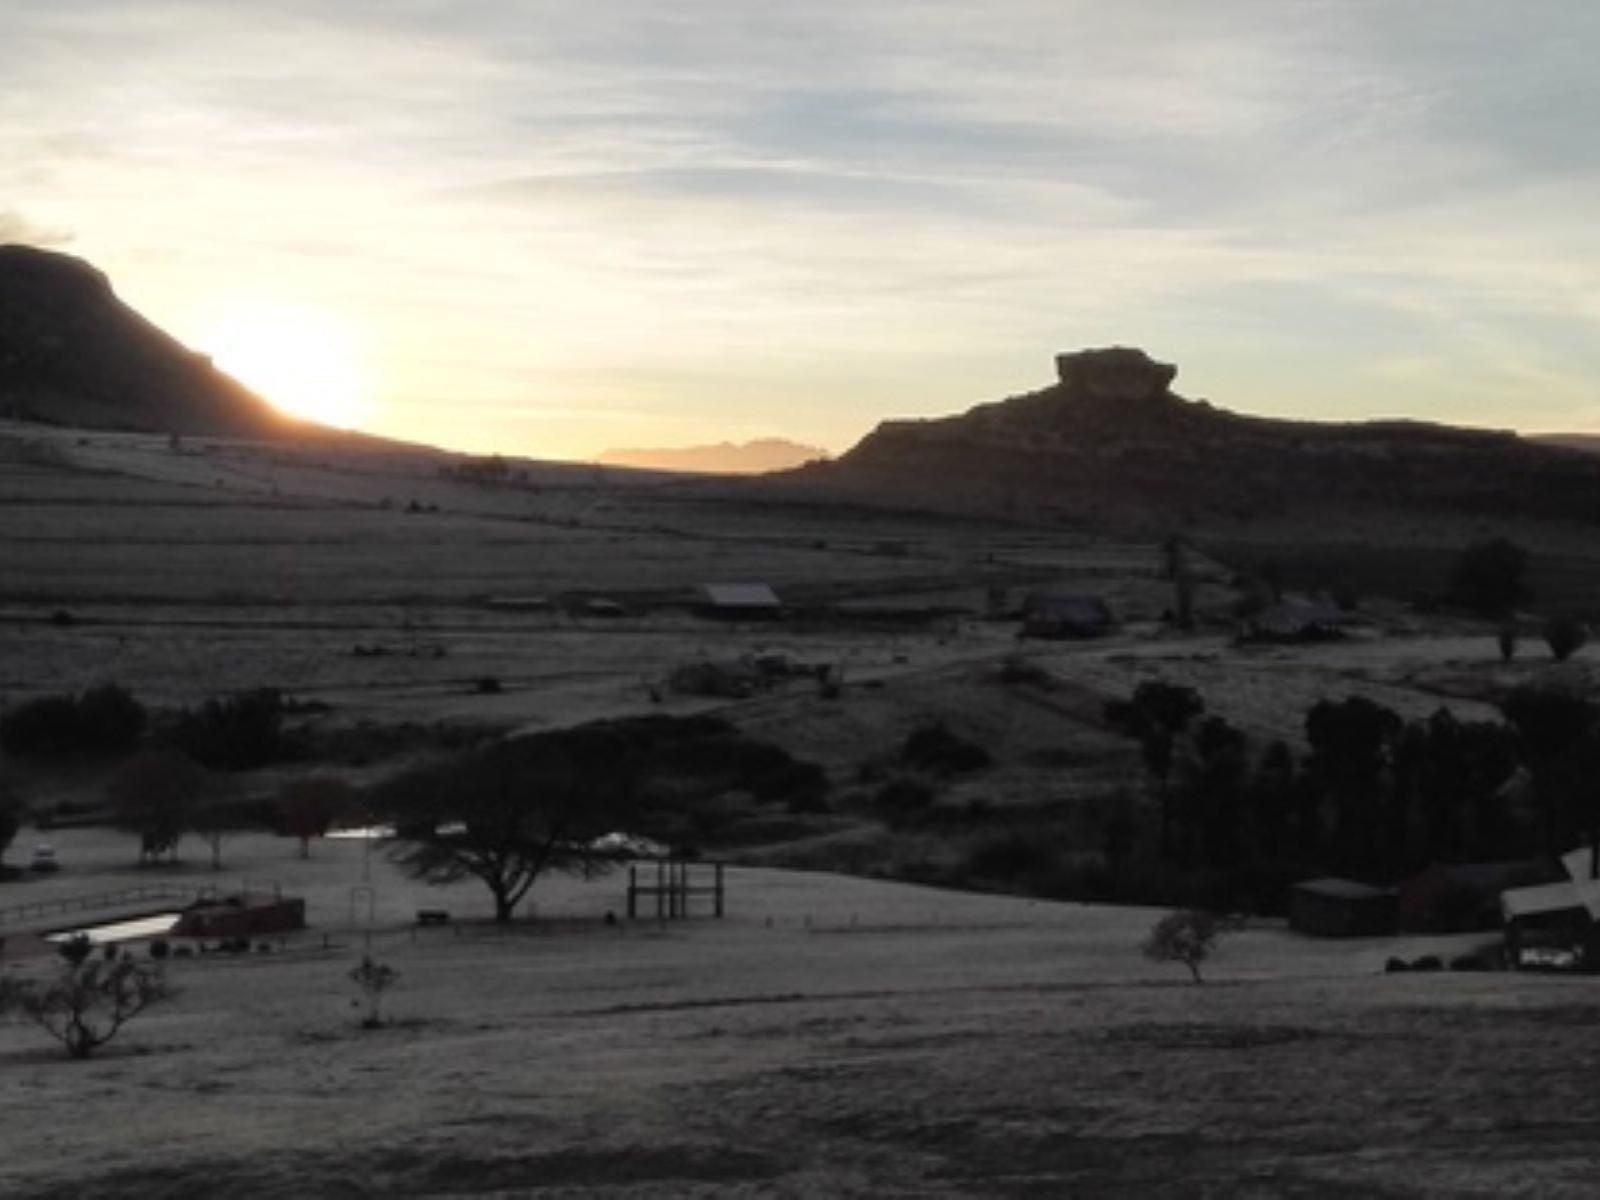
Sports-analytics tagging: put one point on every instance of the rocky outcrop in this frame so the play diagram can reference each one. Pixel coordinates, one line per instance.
(1110, 445)
(71, 353)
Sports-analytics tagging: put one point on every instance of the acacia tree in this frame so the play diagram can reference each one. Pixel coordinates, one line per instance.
(507, 814)
(154, 795)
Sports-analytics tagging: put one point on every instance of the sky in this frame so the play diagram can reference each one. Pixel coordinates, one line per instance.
(550, 228)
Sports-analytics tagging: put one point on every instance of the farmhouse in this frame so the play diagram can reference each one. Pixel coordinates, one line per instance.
(1054, 615)
(739, 602)
(1341, 908)
(1562, 913)
(1294, 619)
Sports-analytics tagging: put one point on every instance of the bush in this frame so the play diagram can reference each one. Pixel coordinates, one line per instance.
(903, 799)
(160, 948)
(102, 722)
(87, 1003)
(1565, 636)
(1488, 577)
(935, 748)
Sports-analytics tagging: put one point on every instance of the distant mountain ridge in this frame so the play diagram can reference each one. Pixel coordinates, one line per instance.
(1110, 445)
(72, 353)
(724, 458)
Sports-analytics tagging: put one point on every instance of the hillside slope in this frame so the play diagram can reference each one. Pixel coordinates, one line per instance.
(73, 354)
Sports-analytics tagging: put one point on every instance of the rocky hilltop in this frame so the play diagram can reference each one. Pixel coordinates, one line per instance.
(1110, 445)
(71, 353)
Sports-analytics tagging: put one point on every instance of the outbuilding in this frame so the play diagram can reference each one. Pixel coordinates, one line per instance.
(1054, 615)
(1341, 908)
(739, 602)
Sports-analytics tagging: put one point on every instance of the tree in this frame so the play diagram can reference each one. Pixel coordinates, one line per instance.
(307, 808)
(1565, 635)
(1213, 775)
(236, 733)
(1552, 724)
(13, 810)
(374, 979)
(1488, 577)
(1188, 936)
(110, 720)
(1156, 714)
(86, 1004)
(508, 813)
(1350, 752)
(1506, 639)
(102, 722)
(155, 795)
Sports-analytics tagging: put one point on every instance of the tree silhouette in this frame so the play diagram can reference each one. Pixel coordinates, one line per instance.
(507, 814)
(155, 795)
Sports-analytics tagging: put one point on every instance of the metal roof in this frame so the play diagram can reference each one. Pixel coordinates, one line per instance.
(740, 595)
(1539, 899)
(1346, 889)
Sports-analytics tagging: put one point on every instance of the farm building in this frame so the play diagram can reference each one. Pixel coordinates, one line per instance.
(1561, 913)
(1463, 897)
(1295, 619)
(1051, 615)
(1341, 908)
(242, 915)
(739, 602)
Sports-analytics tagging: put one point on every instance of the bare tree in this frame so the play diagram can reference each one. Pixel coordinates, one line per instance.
(86, 1004)
(374, 979)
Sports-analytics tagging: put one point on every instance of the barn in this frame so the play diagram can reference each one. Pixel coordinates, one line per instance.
(1341, 908)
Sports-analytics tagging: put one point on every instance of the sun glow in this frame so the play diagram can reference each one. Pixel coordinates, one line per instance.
(305, 362)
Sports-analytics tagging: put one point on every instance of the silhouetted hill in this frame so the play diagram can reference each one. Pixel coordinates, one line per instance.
(1111, 446)
(724, 458)
(71, 353)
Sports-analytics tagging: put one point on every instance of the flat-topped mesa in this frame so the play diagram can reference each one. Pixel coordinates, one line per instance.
(1116, 373)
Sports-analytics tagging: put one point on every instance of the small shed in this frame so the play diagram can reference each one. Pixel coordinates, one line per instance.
(1341, 908)
(1295, 619)
(1054, 615)
(739, 601)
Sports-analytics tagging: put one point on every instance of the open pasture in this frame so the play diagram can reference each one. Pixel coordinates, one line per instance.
(830, 1037)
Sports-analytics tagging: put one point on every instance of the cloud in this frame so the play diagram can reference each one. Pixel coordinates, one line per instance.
(14, 227)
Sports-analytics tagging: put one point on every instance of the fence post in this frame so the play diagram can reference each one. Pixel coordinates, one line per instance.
(633, 892)
(718, 893)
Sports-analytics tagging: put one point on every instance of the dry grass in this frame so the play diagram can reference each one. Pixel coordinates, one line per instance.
(831, 1037)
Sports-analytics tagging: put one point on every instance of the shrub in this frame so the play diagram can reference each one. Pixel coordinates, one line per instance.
(903, 799)
(935, 748)
(89, 1002)
(1488, 577)
(160, 948)
(373, 978)
(1565, 635)
(75, 949)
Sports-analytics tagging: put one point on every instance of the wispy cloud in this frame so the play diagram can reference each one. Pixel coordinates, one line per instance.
(816, 215)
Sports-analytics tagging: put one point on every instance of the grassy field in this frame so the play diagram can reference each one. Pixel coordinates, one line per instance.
(830, 1037)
